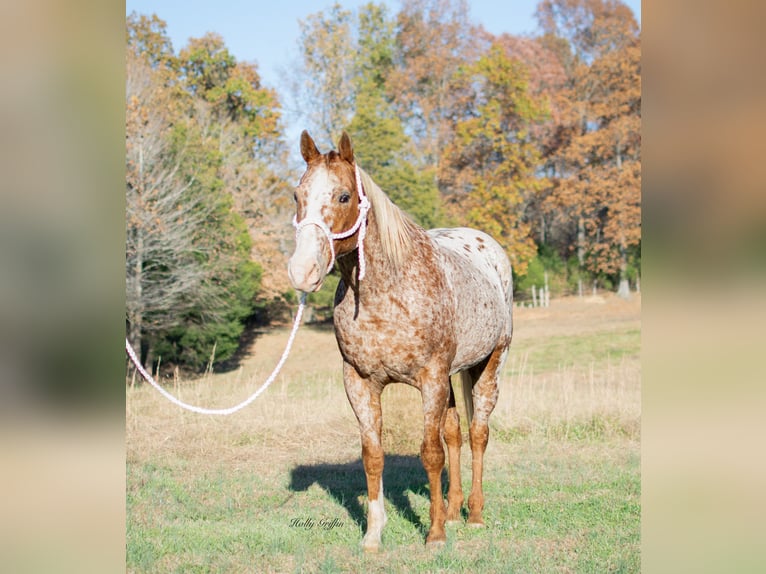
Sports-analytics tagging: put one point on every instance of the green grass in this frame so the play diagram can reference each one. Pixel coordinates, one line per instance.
(567, 351)
(554, 509)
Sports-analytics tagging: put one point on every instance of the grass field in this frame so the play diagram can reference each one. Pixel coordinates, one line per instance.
(279, 486)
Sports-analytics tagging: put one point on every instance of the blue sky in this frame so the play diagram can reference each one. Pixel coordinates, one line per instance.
(267, 32)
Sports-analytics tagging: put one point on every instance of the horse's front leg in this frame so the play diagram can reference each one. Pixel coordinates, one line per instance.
(364, 396)
(454, 440)
(435, 395)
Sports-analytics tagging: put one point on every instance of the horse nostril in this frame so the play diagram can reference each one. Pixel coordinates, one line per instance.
(305, 276)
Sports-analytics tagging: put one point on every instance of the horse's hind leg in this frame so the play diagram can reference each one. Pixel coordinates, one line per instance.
(484, 399)
(365, 402)
(454, 441)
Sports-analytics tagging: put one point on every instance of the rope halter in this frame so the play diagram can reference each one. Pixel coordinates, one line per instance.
(360, 224)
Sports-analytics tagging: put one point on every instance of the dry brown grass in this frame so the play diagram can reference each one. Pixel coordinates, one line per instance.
(607, 399)
(575, 363)
(305, 415)
(305, 406)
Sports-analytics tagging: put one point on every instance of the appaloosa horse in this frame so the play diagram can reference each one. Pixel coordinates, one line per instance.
(412, 307)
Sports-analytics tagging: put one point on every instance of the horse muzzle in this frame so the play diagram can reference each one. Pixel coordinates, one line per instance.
(307, 267)
(305, 275)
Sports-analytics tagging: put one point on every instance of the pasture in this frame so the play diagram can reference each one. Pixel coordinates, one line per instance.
(279, 486)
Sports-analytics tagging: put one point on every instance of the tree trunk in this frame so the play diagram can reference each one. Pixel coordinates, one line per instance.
(581, 242)
(135, 315)
(624, 289)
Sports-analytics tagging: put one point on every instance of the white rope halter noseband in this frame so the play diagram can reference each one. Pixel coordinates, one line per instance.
(360, 224)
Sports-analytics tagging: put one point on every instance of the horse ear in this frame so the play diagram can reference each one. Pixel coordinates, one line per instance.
(345, 148)
(309, 149)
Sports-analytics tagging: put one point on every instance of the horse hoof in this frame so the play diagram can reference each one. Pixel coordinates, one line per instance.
(476, 524)
(454, 517)
(436, 539)
(371, 544)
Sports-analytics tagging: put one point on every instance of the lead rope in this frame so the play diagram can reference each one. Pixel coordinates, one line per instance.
(243, 404)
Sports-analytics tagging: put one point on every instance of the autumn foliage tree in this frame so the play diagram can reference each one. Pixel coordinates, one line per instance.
(595, 158)
(241, 120)
(343, 82)
(163, 264)
(434, 40)
(321, 84)
(492, 159)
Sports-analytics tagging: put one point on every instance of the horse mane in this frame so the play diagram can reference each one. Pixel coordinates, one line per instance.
(395, 228)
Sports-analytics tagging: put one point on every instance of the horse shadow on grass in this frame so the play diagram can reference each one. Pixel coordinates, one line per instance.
(346, 482)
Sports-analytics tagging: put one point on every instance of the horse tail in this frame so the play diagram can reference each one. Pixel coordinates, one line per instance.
(466, 384)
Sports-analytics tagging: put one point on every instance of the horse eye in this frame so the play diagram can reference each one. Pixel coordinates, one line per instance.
(295, 196)
(344, 197)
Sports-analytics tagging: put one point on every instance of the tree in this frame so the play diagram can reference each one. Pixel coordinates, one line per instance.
(162, 265)
(213, 320)
(616, 107)
(493, 158)
(434, 40)
(380, 142)
(192, 125)
(322, 90)
(347, 60)
(546, 84)
(146, 35)
(594, 160)
(588, 28)
(241, 119)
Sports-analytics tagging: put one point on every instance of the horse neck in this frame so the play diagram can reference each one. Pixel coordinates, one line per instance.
(380, 274)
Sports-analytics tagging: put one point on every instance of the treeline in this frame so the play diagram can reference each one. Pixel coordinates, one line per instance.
(535, 140)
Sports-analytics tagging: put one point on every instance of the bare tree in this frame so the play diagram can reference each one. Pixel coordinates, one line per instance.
(164, 273)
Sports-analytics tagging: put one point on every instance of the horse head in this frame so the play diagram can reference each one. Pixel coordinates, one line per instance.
(331, 212)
